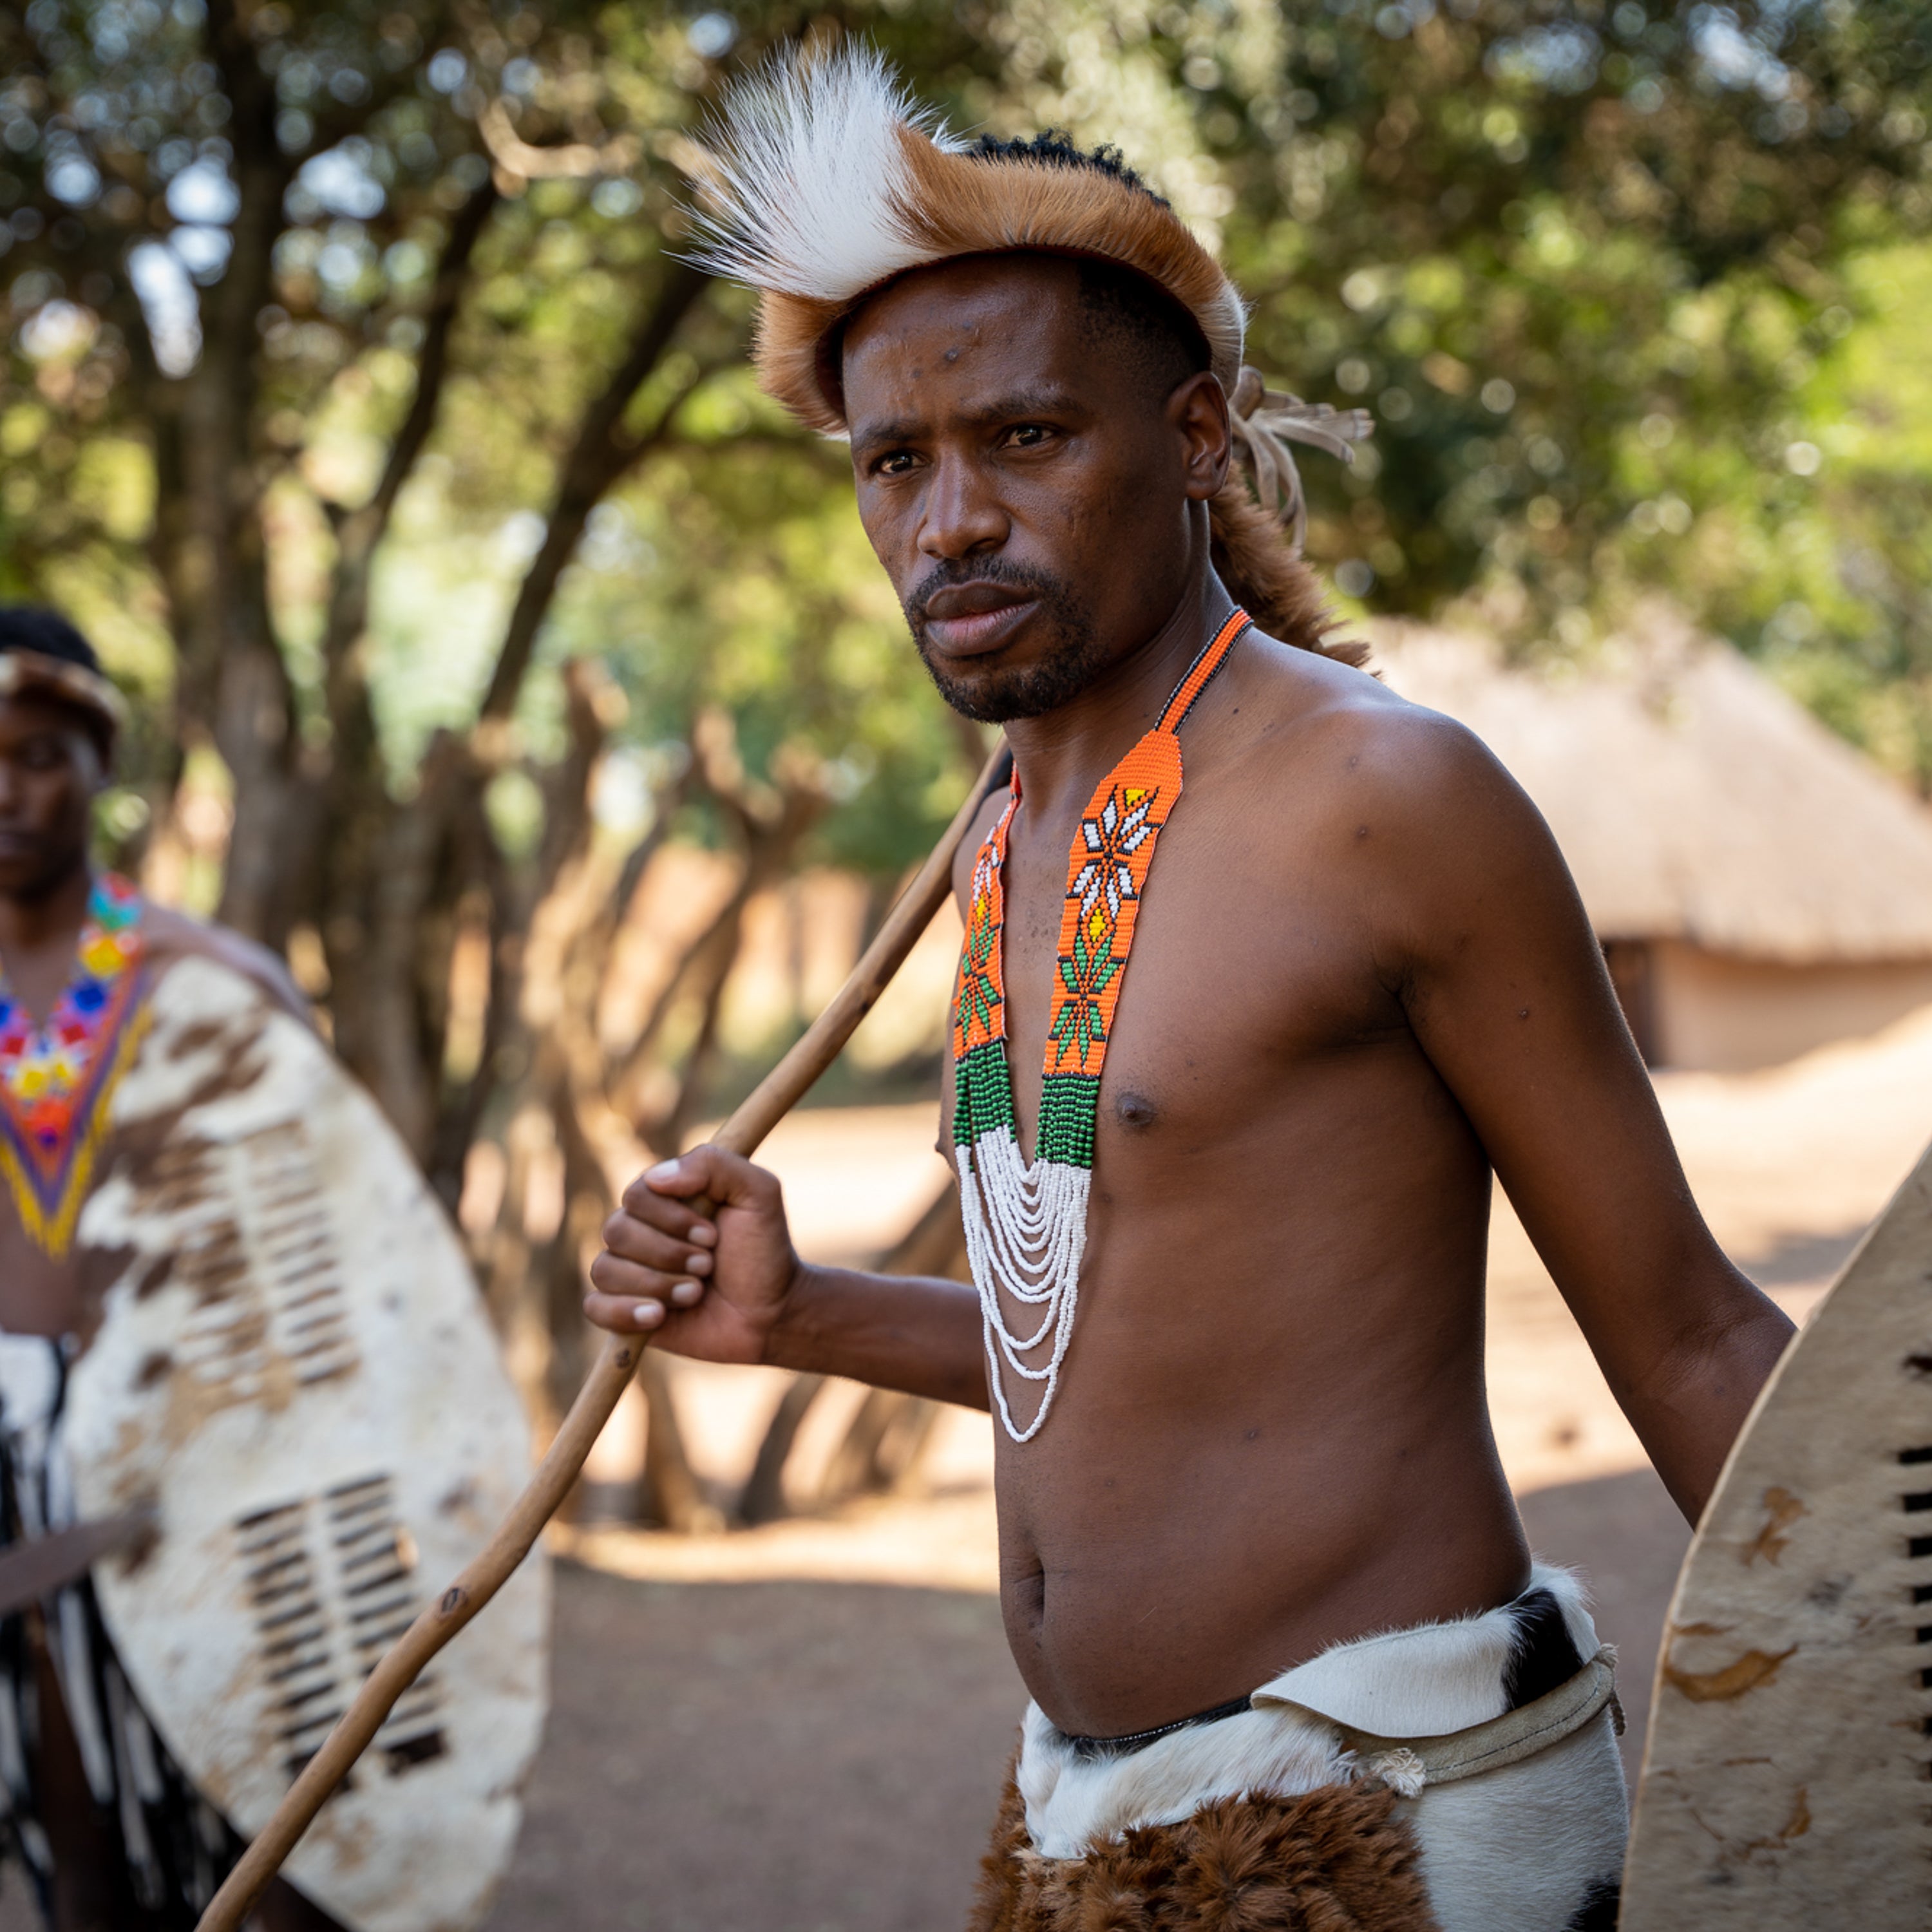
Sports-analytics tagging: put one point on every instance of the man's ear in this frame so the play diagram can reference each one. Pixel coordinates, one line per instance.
(1197, 412)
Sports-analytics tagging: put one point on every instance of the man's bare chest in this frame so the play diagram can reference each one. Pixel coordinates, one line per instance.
(39, 1295)
(1243, 971)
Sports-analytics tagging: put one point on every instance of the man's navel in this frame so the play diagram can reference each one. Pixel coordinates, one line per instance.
(1026, 1601)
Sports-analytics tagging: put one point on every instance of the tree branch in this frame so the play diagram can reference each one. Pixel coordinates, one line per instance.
(360, 534)
(452, 277)
(600, 454)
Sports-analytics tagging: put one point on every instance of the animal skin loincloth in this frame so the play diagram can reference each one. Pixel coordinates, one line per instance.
(1452, 1777)
(1334, 1860)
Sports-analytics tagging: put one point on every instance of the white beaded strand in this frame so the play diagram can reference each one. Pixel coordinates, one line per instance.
(1026, 1230)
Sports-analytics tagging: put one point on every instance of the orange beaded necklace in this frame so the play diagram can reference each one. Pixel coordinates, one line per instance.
(1026, 1223)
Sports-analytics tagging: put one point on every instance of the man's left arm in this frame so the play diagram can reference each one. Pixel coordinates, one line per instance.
(1506, 988)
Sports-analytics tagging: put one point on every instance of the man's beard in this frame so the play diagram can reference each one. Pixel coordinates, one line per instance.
(1071, 664)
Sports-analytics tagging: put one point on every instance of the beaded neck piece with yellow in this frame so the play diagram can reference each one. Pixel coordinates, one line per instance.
(57, 1076)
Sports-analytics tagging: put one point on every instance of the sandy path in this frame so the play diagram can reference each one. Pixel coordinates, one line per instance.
(799, 1756)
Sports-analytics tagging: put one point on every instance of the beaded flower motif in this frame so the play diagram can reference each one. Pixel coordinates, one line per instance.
(1103, 885)
(981, 996)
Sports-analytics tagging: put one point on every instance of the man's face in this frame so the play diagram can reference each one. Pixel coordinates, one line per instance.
(1029, 493)
(50, 769)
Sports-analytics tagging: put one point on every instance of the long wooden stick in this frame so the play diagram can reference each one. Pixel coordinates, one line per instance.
(776, 1095)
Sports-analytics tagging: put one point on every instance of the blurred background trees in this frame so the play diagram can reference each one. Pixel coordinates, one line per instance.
(352, 397)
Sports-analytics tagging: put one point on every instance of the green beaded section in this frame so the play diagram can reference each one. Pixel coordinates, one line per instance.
(983, 1102)
(1068, 1104)
(982, 1094)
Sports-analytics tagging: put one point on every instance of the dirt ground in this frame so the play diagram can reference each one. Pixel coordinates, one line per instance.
(800, 1755)
(817, 1756)
(803, 1728)
(824, 1757)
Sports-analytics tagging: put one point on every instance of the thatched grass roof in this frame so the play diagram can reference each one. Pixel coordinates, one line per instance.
(1693, 799)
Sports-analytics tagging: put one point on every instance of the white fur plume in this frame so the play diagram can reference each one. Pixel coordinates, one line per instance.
(807, 176)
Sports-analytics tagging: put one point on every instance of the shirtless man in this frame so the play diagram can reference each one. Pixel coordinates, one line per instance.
(1363, 983)
(78, 952)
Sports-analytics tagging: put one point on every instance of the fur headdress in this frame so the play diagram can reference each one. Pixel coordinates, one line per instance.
(823, 180)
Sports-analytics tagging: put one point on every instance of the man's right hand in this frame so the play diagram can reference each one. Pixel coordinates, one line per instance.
(712, 1286)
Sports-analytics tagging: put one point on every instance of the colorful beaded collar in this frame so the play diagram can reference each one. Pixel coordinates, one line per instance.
(57, 1076)
(1026, 1224)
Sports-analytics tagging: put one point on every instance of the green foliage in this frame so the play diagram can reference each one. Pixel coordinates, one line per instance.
(731, 571)
(1597, 268)
(735, 573)
(1808, 543)
(1521, 231)
(1607, 272)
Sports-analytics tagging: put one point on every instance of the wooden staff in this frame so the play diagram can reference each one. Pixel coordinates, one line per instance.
(777, 1094)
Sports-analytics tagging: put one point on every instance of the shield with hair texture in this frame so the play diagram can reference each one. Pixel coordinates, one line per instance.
(1784, 1784)
(294, 1369)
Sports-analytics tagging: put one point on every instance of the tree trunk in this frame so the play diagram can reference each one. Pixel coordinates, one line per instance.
(669, 1493)
(885, 1440)
(234, 684)
(880, 1448)
(763, 1498)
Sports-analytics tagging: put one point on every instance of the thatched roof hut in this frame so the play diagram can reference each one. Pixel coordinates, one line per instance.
(1760, 887)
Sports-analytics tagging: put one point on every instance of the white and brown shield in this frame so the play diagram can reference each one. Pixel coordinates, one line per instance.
(294, 1365)
(1784, 1785)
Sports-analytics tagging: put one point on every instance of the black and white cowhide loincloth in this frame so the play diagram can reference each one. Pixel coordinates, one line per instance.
(1307, 1808)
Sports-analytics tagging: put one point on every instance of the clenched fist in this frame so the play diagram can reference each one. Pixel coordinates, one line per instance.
(709, 1285)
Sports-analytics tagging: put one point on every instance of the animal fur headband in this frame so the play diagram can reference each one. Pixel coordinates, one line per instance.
(22, 672)
(823, 180)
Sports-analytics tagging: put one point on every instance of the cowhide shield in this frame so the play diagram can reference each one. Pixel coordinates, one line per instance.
(294, 1364)
(1784, 1785)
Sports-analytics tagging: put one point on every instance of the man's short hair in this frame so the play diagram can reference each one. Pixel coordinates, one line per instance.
(1127, 310)
(1129, 316)
(32, 627)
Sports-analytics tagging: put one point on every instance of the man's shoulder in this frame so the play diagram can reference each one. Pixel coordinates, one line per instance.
(1324, 740)
(172, 936)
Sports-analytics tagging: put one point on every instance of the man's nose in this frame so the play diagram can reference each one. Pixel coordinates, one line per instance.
(963, 516)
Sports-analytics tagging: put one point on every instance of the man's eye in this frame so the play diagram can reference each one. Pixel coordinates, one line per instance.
(1030, 436)
(896, 463)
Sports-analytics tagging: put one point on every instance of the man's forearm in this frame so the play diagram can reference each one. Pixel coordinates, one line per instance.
(903, 1332)
(1697, 1401)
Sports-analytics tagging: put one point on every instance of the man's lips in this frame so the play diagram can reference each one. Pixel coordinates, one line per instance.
(968, 620)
